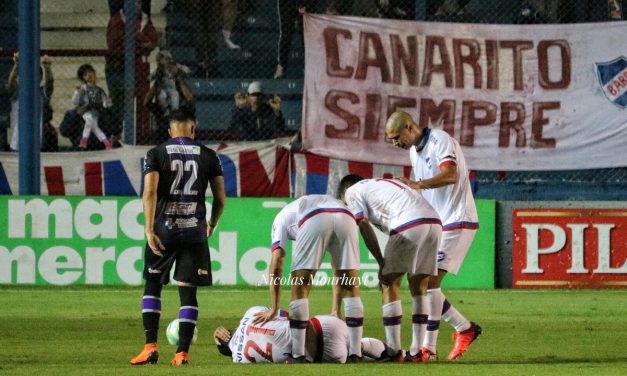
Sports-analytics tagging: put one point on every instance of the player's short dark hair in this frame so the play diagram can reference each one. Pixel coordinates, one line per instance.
(347, 182)
(84, 69)
(182, 116)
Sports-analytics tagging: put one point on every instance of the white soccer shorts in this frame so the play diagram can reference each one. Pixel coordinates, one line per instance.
(413, 250)
(453, 249)
(335, 232)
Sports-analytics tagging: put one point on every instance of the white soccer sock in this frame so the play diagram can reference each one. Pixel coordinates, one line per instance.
(419, 316)
(452, 316)
(435, 300)
(354, 310)
(392, 315)
(299, 316)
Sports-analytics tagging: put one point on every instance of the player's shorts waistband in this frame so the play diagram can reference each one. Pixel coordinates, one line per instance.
(414, 223)
(460, 225)
(325, 210)
(317, 327)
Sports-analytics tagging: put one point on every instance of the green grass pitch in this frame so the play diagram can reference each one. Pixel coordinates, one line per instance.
(96, 330)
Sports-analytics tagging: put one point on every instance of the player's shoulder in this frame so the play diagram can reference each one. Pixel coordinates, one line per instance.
(157, 150)
(255, 309)
(206, 151)
(439, 136)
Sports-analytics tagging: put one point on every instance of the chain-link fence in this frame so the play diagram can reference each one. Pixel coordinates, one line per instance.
(238, 63)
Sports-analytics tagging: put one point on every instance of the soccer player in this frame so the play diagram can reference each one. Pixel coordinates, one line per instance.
(441, 175)
(176, 176)
(414, 229)
(318, 223)
(326, 340)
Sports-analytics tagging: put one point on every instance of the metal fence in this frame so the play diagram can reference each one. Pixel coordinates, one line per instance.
(238, 63)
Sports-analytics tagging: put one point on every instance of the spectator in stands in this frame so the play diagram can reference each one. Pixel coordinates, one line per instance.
(229, 16)
(46, 85)
(165, 79)
(116, 5)
(397, 9)
(168, 93)
(256, 116)
(197, 13)
(146, 39)
(90, 100)
(528, 14)
(288, 16)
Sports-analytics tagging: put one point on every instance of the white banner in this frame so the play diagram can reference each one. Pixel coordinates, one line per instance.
(516, 97)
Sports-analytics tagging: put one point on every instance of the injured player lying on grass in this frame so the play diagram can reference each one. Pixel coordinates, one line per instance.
(326, 340)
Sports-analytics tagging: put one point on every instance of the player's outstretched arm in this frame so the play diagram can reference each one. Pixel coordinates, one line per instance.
(275, 274)
(217, 206)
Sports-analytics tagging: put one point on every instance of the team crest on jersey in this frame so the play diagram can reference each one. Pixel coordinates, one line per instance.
(612, 77)
(428, 162)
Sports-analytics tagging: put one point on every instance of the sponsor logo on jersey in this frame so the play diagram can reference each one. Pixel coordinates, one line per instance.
(181, 208)
(185, 222)
(612, 76)
(183, 149)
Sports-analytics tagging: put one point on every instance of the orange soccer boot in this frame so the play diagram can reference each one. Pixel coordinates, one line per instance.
(180, 359)
(149, 355)
(463, 340)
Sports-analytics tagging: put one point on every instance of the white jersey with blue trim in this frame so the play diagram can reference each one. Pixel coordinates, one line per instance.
(267, 343)
(389, 204)
(285, 226)
(454, 202)
(293, 215)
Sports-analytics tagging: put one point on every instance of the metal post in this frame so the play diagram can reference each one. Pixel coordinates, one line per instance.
(129, 72)
(29, 97)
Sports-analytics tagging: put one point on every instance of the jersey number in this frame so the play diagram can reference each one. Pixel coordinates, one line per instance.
(252, 345)
(179, 169)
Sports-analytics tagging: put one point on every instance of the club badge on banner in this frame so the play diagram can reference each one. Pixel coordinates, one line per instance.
(516, 97)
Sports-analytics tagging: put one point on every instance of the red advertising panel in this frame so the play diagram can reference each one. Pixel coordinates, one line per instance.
(573, 248)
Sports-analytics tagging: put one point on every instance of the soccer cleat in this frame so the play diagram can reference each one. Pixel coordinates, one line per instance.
(354, 358)
(149, 355)
(396, 358)
(428, 355)
(463, 340)
(82, 143)
(296, 360)
(409, 358)
(180, 359)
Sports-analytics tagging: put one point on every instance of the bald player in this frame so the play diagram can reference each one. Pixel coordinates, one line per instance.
(176, 176)
(440, 173)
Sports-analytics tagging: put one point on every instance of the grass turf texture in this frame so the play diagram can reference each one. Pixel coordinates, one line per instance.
(96, 330)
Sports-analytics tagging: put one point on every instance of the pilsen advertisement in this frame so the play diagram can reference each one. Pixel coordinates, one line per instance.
(569, 248)
(516, 97)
